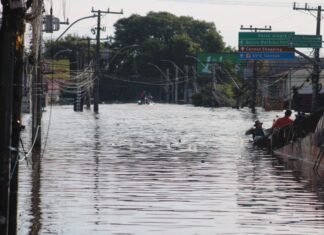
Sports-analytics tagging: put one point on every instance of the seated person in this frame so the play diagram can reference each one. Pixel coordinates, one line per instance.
(283, 121)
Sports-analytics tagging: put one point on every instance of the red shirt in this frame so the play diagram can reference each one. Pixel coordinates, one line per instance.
(282, 122)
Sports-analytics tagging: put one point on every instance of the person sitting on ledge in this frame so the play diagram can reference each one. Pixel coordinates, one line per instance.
(283, 121)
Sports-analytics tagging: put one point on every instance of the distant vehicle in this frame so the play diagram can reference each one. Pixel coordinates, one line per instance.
(145, 98)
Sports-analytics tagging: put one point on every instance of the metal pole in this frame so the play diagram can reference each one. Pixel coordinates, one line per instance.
(176, 85)
(254, 87)
(255, 79)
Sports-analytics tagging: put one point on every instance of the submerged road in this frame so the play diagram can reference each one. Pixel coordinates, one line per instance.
(162, 170)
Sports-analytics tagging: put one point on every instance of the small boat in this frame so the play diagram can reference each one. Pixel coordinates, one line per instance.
(147, 102)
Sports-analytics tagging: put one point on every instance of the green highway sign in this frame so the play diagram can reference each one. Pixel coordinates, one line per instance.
(266, 35)
(205, 60)
(265, 38)
(263, 42)
(265, 48)
(307, 41)
(290, 39)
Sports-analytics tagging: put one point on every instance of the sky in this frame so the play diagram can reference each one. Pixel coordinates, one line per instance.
(227, 15)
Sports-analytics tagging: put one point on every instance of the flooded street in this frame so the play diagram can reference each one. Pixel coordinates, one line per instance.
(161, 170)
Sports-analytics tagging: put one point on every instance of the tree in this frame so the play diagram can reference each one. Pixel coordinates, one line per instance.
(160, 36)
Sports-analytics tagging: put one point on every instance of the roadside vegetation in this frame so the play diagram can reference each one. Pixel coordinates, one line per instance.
(141, 41)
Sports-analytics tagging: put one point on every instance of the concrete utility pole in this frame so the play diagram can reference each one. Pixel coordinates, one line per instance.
(97, 58)
(316, 68)
(176, 85)
(168, 85)
(88, 96)
(255, 79)
(194, 79)
(185, 91)
(214, 77)
(11, 67)
(36, 102)
(177, 69)
(6, 77)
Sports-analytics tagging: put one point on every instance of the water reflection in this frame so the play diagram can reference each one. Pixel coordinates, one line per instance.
(36, 211)
(165, 169)
(96, 151)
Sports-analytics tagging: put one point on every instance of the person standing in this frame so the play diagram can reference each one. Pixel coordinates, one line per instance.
(258, 132)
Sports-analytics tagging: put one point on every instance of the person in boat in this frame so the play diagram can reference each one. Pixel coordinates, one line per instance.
(149, 98)
(283, 121)
(142, 98)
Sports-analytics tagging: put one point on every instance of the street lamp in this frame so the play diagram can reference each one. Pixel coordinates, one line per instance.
(119, 52)
(204, 66)
(83, 18)
(166, 76)
(176, 67)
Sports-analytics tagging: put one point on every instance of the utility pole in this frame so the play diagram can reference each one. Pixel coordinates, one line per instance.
(97, 58)
(255, 79)
(176, 85)
(214, 77)
(168, 86)
(11, 67)
(316, 67)
(194, 79)
(88, 96)
(185, 92)
(16, 121)
(6, 82)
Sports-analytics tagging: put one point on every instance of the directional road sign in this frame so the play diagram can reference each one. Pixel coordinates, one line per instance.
(266, 35)
(265, 48)
(267, 55)
(205, 61)
(307, 41)
(264, 38)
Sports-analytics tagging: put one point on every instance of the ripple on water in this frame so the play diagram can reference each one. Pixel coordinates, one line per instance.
(162, 169)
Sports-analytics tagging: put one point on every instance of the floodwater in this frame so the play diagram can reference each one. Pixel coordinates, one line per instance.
(161, 170)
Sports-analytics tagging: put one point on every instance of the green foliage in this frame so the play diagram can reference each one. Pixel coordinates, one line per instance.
(143, 40)
(162, 35)
(206, 98)
(78, 46)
